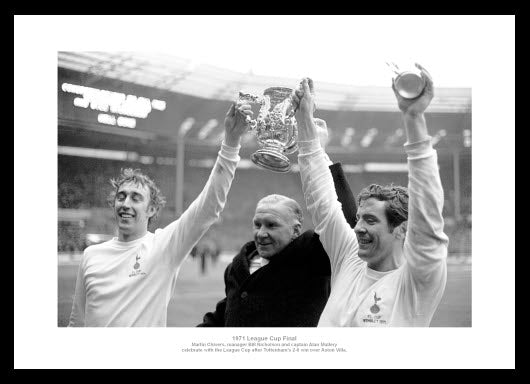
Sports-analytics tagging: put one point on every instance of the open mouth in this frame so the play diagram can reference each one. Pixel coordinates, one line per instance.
(364, 240)
(125, 215)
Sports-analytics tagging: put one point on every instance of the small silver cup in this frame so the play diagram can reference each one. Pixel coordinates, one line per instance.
(408, 81)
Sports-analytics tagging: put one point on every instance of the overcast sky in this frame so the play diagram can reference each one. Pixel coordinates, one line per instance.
(338, 49)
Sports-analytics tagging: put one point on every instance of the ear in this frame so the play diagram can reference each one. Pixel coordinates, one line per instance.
(150, 211)
(297, 230)
(400, 231)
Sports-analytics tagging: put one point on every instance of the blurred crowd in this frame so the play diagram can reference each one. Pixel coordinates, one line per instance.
(83, 183)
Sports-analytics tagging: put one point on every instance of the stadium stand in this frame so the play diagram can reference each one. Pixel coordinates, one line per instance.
(83, 183)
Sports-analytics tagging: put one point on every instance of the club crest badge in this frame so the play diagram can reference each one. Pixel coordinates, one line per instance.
(375, 308)
(136, 268)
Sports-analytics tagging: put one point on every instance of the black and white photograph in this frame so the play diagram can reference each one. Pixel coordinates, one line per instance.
(225, 198)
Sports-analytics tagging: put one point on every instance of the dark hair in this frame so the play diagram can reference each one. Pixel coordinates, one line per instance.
(396, 200)
(157, 200)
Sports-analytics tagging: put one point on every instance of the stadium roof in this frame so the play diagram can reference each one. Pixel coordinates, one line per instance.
(184, 76)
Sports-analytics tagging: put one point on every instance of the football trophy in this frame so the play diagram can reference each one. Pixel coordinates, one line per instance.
(275, 128)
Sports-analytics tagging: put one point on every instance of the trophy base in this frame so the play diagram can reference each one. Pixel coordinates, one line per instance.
(271, 160)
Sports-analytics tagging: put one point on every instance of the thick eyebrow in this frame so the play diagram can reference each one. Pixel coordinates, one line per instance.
(267, 220)
(367, 216)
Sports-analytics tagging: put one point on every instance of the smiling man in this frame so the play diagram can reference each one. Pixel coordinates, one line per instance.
(277, 221)
(135, 205)
(128, 280)
(392, 269)
(380, 229)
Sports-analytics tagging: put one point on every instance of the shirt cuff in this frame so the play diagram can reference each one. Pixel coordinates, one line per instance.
(419, 149)
(230, 153)
(308, 147)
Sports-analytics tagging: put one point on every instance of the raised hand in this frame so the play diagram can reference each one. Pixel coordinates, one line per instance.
(417, 106)
(304, 100)
(236, 123)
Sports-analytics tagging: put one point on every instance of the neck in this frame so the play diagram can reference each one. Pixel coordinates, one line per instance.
(393, 260)
(130, 237)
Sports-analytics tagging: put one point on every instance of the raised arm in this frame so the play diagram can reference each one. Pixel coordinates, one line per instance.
(342, 188)
(425, 246)
(413, 109)
(336, 235)
(180, 236)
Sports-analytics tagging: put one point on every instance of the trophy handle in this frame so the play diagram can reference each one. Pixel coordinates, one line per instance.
(252, 99)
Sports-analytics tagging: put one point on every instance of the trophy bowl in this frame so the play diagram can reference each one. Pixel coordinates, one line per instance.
(275, 128)
(408, 81)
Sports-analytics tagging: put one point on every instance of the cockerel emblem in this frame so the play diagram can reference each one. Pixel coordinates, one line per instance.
(375, 308)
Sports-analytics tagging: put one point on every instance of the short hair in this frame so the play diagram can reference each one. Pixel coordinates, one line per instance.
(294, 207)
(396, 200)
(136, 176)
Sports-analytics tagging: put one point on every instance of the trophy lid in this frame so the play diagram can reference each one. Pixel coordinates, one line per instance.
(280, 91)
